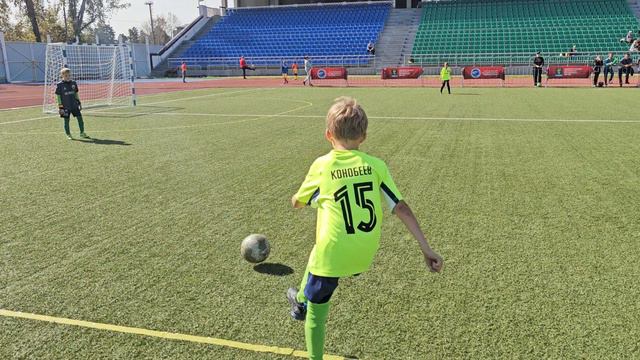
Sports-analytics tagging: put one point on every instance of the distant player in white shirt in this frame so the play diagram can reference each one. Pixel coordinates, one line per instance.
(307, 70)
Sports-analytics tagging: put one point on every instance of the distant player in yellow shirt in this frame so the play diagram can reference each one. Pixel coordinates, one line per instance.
(445, 76)
(347, 187)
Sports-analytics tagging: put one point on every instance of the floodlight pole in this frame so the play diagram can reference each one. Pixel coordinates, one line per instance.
(153, 36)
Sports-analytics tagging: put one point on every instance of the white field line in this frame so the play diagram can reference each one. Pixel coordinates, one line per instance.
(251, 118)
(143, 104)
(394, 117)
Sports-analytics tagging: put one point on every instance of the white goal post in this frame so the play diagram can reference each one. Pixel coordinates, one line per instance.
(104, 73)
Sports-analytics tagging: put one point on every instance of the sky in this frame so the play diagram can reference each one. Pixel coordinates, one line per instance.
(138, 12)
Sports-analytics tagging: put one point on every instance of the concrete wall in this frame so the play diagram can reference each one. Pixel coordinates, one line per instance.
(250, 3)
(26, 60)
(141, 58)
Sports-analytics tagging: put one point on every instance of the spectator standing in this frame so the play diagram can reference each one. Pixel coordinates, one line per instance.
(183, 68)
(538, 63)
(307, 69)
(609, 64)
(597, 68)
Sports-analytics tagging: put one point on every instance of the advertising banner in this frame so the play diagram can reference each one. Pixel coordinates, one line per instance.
(483, 72)
(405, 72)
(569, 71)
(326, 73)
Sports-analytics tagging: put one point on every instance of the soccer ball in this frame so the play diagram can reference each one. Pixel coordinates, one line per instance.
(255, 248)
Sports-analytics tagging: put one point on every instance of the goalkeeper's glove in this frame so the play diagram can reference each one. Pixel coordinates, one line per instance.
(63, 112)
(79, 105)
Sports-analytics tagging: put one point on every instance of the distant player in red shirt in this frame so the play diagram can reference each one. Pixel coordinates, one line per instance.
(244, 67)
(294, 67)
(183, 67)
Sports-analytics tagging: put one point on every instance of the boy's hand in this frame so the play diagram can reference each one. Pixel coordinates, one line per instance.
(297, 204)
(63, 112)
(434, 261)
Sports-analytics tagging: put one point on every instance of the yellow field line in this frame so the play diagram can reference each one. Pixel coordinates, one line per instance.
(163, 334)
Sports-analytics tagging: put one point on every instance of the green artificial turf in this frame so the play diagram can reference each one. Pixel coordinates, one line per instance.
(538, 223)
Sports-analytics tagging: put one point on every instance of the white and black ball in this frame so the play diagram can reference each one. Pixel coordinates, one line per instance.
(255, 248)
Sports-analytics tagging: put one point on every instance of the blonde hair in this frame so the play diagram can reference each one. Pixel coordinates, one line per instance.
(346, 119)
(65, 71)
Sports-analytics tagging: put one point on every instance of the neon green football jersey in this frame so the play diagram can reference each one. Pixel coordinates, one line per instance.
(347, 187)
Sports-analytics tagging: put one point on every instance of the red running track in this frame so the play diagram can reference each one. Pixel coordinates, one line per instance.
(21, 95)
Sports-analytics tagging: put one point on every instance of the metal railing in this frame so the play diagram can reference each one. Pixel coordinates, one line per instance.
(507, 59)
(272, 62)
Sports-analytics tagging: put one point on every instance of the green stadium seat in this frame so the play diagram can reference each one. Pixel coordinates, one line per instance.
(467, 27)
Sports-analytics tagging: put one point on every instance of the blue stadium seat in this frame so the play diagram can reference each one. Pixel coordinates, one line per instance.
(292, 32)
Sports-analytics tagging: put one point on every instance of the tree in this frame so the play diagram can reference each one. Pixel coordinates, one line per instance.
(85, 13)
(25, 9)
(33, 18)
(5, 24)
(105, 33)
(159, 26)
(171, 24)
(51, 24)
(16, 28)
(134, 35)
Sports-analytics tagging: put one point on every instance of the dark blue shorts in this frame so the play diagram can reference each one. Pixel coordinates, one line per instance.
(320, 288)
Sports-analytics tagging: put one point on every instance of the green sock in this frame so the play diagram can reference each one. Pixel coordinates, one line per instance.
(301, 298)
(314, 329)
(80, 124)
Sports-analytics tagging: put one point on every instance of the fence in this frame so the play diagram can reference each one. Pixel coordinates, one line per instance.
(365, 71)
(25, 61)
(357, 64)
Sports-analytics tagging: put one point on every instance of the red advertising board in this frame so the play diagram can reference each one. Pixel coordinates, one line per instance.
(405, 72)
(326, 73)
(568, 71)
(483, 72)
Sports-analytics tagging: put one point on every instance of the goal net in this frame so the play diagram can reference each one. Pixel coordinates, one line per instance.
(104, 74)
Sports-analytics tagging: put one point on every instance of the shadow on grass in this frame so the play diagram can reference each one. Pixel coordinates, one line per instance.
(273, 269)
(103, 142)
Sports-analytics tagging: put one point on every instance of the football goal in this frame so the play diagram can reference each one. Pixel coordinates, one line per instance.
(104, 73)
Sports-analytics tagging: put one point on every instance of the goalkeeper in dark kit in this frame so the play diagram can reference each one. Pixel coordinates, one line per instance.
(69, 102)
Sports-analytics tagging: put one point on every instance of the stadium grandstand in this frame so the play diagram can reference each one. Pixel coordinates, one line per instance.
(464, 28)
(462, 32)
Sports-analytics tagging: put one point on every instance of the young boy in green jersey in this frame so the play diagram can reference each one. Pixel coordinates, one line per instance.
(347, 187)
(69, 102)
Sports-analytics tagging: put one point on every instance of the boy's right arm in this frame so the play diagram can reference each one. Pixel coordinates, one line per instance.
(309, 189)
(403, 211)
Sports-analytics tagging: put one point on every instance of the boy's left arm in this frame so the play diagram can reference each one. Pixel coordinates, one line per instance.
(78, 98)
(400, 208)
